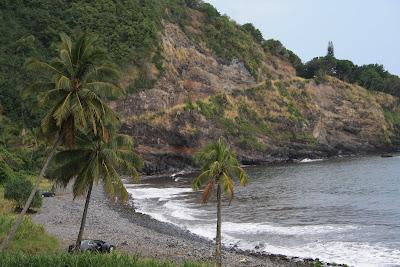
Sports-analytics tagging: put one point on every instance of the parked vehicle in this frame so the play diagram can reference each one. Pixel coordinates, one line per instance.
(94, 246)
(48, 194)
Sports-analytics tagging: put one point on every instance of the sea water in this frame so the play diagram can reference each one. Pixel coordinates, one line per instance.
(344, 210)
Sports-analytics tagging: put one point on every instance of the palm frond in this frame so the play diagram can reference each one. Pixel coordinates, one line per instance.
(228, 185)
(105, 90)
(201, 179)
(207, 190)
(36, 65)
(219, 163)
(63, 111)
(66, 42)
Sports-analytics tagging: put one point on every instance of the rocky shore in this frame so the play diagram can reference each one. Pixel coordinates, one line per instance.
(139, 234)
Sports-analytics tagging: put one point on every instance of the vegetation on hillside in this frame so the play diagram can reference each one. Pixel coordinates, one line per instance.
(130, 30)
(248, 118)
(373, 76)
(76, 77)
(18, 189)
(394, 119)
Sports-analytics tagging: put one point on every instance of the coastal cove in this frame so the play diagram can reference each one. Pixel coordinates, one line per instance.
(163, 133)
(343, 210)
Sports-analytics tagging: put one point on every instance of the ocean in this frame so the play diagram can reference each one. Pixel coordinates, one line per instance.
(339, 210)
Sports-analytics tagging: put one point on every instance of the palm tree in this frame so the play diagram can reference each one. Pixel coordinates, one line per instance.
(94, 160)
(73, 87)
(219, 167)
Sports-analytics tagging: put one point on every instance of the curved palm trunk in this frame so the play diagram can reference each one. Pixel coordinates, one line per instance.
(28, 203)
(83, 221)
(218, 256)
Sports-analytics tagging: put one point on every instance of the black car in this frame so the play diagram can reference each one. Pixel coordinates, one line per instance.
(48, 194)
(94, 246)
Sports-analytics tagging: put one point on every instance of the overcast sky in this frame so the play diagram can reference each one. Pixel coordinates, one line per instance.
(364, 31)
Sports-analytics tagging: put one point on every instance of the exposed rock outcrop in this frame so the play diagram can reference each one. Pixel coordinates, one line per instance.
(283, 117)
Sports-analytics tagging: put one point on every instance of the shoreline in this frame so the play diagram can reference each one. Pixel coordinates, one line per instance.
(128, 211)
(191, 170)
(122, 225)
(139, 234)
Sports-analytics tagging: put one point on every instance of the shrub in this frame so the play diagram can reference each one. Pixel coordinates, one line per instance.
(256, 33)
(294, 112)
(282, 88)
(19, 189)
(394, 119)
(250, 122)
(213, 109)
(320, 77)
(251, 143)
(5, 172)
(189, 106)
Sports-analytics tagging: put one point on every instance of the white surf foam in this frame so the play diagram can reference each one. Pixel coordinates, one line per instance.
(310, 160)
(157, 193)
(351, 253)
(171, 208)
(186, 216)
(182, 211)
(257, 228)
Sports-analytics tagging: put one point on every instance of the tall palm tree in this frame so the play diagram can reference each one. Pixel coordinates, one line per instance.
(219, 168)
(95, 160)
(73, 87)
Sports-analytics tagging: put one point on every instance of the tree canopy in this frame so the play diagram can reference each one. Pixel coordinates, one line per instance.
(373, 76)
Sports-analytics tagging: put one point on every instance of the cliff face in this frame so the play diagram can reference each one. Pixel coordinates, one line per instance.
(274, 117)
(193, 75)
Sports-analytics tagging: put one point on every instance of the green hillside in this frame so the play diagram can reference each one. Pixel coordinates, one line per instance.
(131, 31)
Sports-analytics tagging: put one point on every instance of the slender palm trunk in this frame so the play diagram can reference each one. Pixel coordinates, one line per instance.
(83, 221)
(218, 257)
(28, 203)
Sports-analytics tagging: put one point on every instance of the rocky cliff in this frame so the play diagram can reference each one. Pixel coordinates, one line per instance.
(268, 117)
(194, 75)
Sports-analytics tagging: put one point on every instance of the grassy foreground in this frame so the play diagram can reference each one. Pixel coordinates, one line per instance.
(31, 238)
(34, 247)
(83, 260)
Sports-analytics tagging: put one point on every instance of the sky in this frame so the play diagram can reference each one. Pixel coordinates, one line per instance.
(363, 31)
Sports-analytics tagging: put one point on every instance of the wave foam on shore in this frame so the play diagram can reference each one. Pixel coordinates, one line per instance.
(167, 205)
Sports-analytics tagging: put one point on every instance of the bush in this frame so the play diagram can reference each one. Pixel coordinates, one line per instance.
(213, 109)
(5, 172)
(251, 143)
(19, 189)
(394, 119)
(256, 33)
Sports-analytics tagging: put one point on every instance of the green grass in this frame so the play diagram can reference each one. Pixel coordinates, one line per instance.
(34, 247)
(250, 142)
(31, 238)
(84, 260)
(394, 119)
(295, 113)
(6, 206)
(213, 109)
